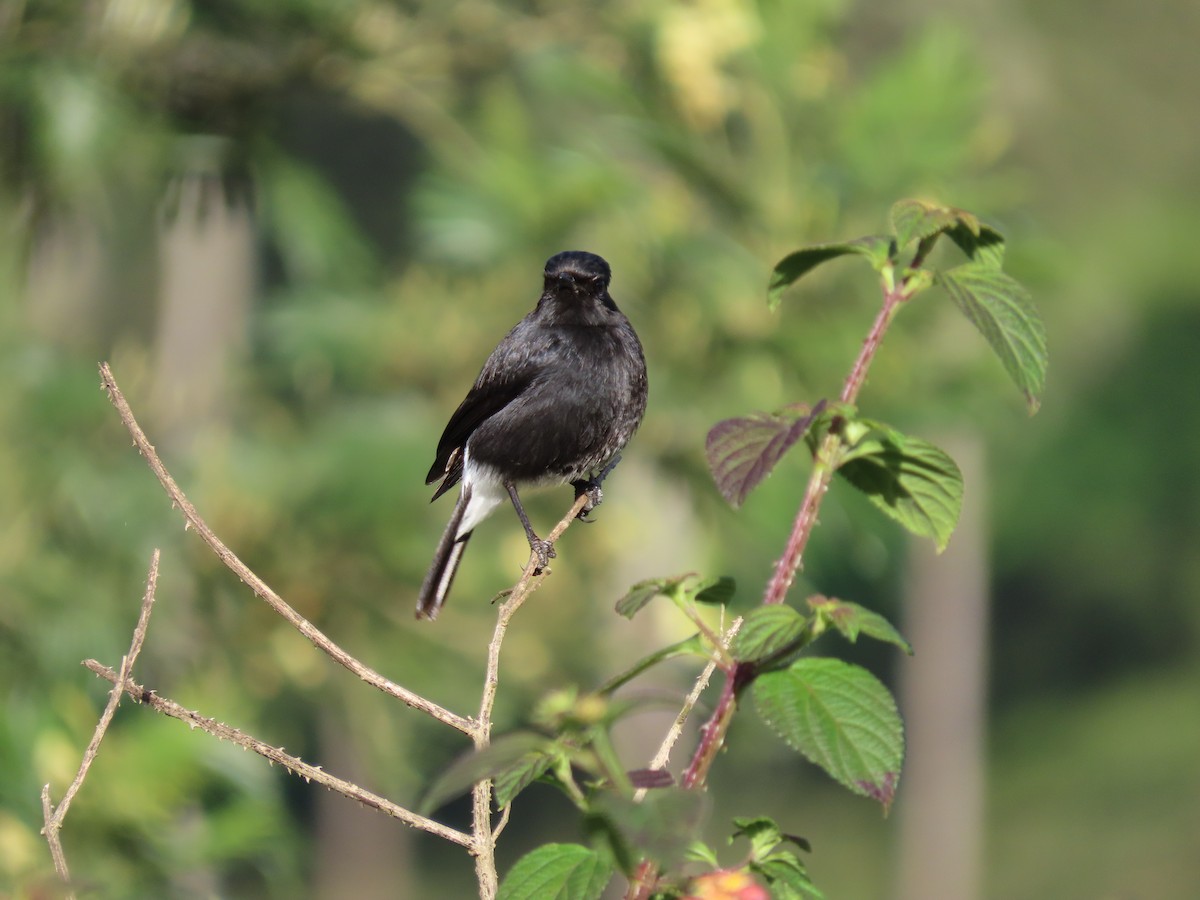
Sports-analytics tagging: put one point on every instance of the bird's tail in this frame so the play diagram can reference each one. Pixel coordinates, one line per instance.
(449, 552)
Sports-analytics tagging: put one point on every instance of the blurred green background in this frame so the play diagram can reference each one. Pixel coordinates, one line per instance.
(297, 228)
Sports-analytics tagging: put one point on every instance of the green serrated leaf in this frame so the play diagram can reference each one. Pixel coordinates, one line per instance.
(1001, 308)
(841, 718)
(984, 245)
(719, 590)
(742, 452)
(877, 249)
(851, 619)
(762, 832)
(524, 771)
(909, 479)
(698, 851)
(859, 442)
(643, 592)
(503, 754)
(557, 872)
(767, 630)
(766, 837)
(914, 220)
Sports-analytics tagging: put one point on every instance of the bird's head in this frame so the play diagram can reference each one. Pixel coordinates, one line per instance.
(578, 273)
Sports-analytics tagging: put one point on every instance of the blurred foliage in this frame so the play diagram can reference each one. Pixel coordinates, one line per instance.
(410, 165)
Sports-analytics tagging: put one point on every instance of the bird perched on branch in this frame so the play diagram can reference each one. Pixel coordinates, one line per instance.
(554, 404)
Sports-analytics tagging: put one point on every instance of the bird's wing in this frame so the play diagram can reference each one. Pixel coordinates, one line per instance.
(508, 372)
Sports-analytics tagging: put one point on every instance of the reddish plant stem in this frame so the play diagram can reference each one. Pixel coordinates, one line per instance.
(712, 734)
(822, 475)
(641, 886)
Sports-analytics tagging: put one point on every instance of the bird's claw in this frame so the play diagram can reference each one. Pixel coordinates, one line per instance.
(595, 496)
(544, 551)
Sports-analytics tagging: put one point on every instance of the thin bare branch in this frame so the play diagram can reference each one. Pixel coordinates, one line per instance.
(293, 764)
(528, 583)
(56, 850)
(482, 841)
(314, 635)
(54, 816)
(481, 792)
(114, 697)
(663, 756)
(500, 826)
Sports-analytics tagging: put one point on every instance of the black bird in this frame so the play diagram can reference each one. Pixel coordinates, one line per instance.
(554, 403)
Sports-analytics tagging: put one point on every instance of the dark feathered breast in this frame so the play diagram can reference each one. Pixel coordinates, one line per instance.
(552, 403)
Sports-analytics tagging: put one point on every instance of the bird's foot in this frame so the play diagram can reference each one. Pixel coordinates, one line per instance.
(591, 487)
(544, 551)
(595, 496)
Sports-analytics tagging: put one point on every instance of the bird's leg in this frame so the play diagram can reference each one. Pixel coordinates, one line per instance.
(543, 549)
(591, 487)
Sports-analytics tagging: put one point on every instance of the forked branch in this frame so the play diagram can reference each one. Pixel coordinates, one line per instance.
(54, 816)
(481, 842)
(315, 636)
(484, 848)
(293, 764)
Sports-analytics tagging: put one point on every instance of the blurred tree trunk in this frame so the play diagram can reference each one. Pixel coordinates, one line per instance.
(66, 269)
(207, 253)
(943, 695)
(360, 853)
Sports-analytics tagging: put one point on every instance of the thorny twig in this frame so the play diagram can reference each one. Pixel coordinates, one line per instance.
(54, 816)
(663, 756)
(481, 842)
(712, 733)
(481, 793)
(260, 587)
(293, 764)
